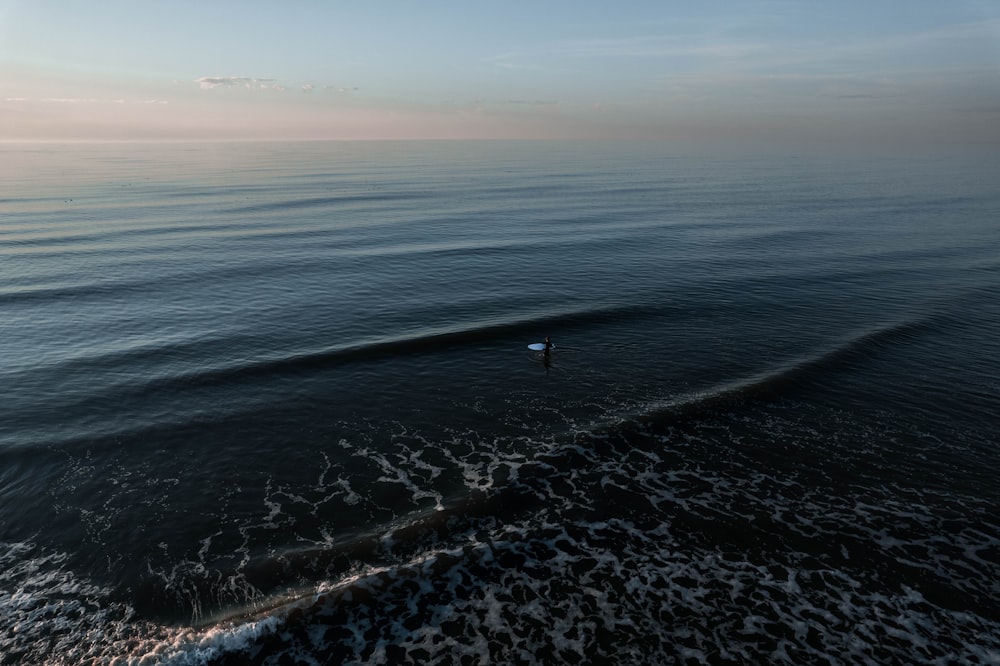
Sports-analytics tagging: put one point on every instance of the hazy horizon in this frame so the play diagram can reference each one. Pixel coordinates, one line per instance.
(798, 73)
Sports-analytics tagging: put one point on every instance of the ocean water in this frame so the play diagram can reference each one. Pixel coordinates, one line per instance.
(273, 403)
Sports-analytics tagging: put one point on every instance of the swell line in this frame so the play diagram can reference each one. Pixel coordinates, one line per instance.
(425, 341)
(319, 202)
(778, 381)
(225, 373)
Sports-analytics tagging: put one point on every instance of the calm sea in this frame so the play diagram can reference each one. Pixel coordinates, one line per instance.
(273, 403)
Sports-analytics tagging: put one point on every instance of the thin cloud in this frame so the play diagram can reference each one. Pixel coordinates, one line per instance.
(275, 85)
(533, 102)
(643, 46)
(885, 53)
(70, 100)
(657, 47)
(82, 100)
(250, 83)
(711, 53)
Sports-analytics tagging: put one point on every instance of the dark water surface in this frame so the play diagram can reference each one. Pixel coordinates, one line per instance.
(272, 403)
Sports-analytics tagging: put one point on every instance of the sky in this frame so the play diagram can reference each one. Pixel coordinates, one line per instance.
(855, 71)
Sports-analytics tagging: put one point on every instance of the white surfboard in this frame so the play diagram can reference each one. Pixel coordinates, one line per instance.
(539, 346)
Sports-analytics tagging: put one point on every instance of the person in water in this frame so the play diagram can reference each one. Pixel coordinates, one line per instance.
(546, 357)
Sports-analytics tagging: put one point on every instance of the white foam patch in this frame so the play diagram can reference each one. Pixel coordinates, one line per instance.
(188, 647)
(694, 605)
(729, 561)
(49, 615)
(649, 547)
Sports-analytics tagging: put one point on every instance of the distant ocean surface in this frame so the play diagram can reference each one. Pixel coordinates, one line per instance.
(272, 403)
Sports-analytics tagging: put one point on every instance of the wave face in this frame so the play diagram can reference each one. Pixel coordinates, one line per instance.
(273, 403)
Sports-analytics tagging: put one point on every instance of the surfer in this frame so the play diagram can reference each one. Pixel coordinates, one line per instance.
(546, 357)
